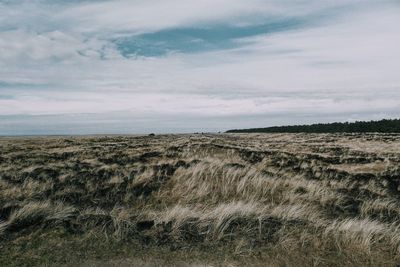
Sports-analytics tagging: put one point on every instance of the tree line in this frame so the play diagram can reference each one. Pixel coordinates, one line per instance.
(381, 126)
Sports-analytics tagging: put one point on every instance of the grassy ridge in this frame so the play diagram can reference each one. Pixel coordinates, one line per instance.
(223, 200)
(382, 126)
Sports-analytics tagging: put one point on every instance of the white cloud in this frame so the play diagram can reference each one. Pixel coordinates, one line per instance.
(347, 64)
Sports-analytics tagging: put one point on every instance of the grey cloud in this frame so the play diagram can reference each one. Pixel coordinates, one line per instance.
(57, 65)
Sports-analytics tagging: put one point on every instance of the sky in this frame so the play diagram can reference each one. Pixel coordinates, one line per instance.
(139, 66)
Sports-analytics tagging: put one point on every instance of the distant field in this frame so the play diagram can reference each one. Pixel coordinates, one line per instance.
(201, 200)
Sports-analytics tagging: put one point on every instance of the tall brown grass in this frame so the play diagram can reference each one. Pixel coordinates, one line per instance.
(293, 200)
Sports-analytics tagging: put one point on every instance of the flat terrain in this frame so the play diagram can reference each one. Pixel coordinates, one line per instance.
(201, 200)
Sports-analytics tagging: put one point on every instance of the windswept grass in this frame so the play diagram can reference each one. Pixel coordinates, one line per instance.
(256, 199)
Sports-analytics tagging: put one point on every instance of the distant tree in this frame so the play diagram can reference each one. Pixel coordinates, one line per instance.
(382, 126)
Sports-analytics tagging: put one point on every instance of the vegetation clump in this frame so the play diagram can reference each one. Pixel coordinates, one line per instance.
(281, 199)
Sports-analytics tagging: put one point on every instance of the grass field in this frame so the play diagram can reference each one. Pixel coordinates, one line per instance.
(194, 200)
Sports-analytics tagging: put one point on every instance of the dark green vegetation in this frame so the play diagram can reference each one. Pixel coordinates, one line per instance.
(382, 126)
(193, 200)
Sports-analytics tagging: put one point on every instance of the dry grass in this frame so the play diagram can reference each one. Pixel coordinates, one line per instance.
(288, 200)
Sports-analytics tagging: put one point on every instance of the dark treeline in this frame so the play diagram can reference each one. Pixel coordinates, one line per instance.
(382, 126)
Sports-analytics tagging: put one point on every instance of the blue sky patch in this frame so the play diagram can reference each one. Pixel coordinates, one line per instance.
(145, 65)
(193, 40)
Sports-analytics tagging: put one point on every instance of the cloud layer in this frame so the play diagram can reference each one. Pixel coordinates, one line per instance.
(128, 66)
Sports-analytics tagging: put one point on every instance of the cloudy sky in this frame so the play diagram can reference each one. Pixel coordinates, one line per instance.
(134, 66)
